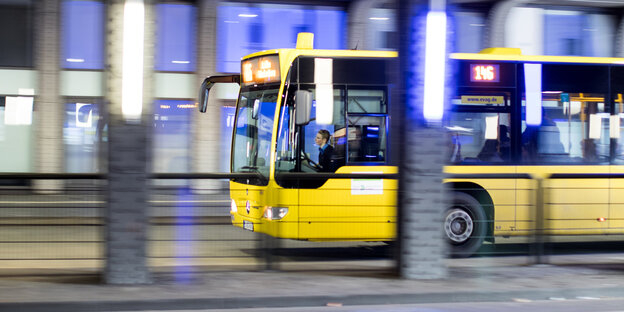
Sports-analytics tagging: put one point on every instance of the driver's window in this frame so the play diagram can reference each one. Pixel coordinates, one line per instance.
(329, 157)
(308, 157)
(286, 157)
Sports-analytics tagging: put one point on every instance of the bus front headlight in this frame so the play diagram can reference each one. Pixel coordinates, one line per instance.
(275, 213)
(233, 208)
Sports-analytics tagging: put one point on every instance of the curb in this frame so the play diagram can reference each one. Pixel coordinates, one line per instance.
(314, 301)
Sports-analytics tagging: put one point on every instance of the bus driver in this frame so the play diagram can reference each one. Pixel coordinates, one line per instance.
(325, 151)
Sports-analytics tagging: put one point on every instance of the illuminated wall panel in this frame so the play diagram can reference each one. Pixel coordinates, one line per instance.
(81, 134)
(175, 44)
(242, 29)
(172, 135)
(82, 34)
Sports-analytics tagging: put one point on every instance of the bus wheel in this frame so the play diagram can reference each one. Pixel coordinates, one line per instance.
(464, 225)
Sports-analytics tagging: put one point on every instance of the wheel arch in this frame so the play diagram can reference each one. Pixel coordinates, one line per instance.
(479, 193)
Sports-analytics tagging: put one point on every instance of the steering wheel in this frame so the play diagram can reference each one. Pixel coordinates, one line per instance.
(311, 162)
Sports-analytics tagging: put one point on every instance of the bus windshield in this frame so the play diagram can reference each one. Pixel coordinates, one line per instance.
(253, 129)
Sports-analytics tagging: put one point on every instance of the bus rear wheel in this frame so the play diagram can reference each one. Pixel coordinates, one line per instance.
(464, 225)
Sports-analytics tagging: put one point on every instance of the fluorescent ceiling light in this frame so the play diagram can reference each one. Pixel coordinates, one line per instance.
(614, 127)
(75, 60)
(132, 60)
(180, 62)
(595, 126)
(491, 127)
(533, 87)
(247, 15)
(379, 18)
(435, 65)
(562, 12)
(323, 79)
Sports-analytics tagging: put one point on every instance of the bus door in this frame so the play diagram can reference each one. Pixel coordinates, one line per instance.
(352, 140)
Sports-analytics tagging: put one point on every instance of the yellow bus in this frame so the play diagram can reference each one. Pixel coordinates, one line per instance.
(510, 114)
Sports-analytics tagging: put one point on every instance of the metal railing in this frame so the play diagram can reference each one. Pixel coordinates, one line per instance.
(49, 226)
(191, 227)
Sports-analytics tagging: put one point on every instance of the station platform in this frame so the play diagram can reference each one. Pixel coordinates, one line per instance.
(482, 279)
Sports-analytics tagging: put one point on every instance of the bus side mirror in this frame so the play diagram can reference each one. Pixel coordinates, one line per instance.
(203, 96)
(208, 83)
(256, 109)
(303, 107)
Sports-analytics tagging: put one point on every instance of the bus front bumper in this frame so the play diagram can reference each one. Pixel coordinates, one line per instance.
(275, 228)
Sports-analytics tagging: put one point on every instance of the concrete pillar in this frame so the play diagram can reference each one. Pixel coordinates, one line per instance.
(361, 34)
(619, 39)
(421, 245)
(49, 110)
(205, 128)
(497, 21)
(129, 158)
(358, 20)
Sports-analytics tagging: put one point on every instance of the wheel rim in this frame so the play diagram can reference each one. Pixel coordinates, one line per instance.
(458, 225)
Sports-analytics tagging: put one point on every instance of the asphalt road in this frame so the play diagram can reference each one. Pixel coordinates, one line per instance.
(520, 305)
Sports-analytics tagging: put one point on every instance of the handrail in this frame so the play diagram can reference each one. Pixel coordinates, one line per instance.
(330, 175)
(289, 175)
(300, 175)
(208, 175)
(52, 176)
(586, 176)
(99, 176)
(488, 176)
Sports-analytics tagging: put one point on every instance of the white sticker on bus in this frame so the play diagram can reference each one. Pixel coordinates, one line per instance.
(366, 186)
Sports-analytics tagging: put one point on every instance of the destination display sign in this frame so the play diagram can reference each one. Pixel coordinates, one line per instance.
(262, 69)
(484, 73)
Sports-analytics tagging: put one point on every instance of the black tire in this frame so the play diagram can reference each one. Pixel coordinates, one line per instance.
(465, 225)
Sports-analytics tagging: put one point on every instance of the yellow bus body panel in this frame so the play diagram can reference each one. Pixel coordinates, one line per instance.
(616, 201)
(259, 198)
(350, 209)
(571, 206)
(341, 209)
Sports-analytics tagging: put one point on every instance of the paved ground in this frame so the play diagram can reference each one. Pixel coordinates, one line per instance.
(486, 279)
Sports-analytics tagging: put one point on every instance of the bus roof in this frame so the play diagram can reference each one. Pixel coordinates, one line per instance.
(491, 54)
(305, 46)
(515, 55)
(325, 53)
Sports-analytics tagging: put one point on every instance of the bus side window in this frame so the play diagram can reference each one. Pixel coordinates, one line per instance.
(367, 139)
(574, 128)
(479, 137)
(339, 141)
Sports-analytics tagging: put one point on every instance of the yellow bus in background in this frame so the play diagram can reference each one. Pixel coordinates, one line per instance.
(510, 113)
